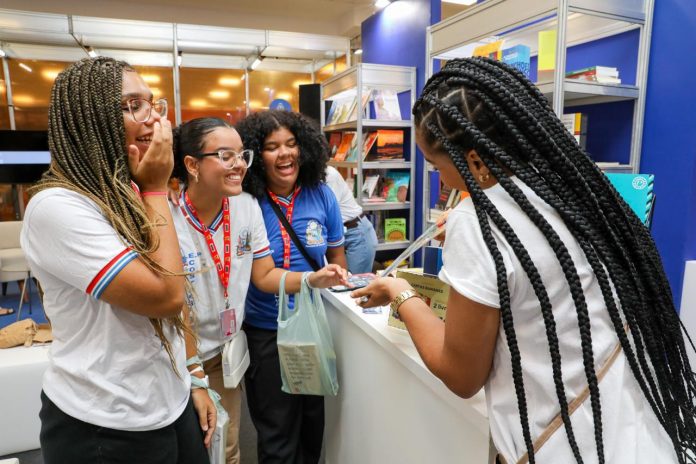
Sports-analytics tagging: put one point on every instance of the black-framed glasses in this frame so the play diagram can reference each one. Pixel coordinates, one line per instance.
(141, 109)
(230, 158)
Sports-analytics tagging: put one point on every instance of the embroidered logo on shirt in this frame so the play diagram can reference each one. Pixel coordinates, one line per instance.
(313, 234)
(244, 242)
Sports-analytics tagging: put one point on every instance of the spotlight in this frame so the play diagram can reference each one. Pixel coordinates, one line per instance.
(257, 62)
(358, 51)
(2, 53)
(25, 67)
(179, 58)
(91, 52)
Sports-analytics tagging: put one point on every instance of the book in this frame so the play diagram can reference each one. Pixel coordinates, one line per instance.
(369, 141)
(334, 143)
(346, 141)
(599, 71)
(386, 105)
(340, 110)
(394, 229)
(637, 192)
(434, 292)
(395, 186)
(363, 105)
(443, 199)
(518, 57)
(370, 185)
(353, 150)
(491, 50)
(576, 123)
(390, 145)
(546, 58)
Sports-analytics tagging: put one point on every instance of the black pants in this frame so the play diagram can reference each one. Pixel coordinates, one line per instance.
(290, 428)
(65, 439)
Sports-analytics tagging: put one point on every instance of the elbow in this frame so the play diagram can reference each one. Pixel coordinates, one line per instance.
(462, 385)
(170, 304)
(464, 391)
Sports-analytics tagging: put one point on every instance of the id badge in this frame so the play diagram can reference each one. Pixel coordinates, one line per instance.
(228, 323)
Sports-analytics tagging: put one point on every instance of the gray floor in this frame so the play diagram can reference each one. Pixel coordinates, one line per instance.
(247, 443)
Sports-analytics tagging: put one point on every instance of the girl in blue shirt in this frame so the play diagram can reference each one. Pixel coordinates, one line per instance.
(291, 172)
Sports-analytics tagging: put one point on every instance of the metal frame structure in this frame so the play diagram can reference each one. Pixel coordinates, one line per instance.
(577, 22)
(355, 81)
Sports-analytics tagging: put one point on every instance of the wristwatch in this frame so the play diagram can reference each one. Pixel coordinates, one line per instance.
(400, 298)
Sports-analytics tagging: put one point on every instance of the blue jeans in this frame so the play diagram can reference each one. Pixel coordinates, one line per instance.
(360, 247)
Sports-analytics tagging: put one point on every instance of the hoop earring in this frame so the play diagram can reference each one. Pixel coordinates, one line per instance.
(484, 177)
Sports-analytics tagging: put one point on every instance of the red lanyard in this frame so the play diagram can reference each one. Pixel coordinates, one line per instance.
(288, 214)
(223, 271)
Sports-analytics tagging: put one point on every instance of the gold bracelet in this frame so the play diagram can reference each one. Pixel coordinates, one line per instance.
(398, 301)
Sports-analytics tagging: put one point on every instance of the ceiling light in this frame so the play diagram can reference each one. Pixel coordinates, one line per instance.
(23, 99)
(256, 63)
(219, 94)
(381, 3)
(50, 74)
(91, 52)
(156, 92)
(198, 103)
(285, 96)
(243, 76)
(151, 78)
(358, 51)
(25, 67)
(266, 89)
(2, 53)
(229, 81)
(460, 2)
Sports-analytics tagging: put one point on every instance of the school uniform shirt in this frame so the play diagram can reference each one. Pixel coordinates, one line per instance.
(205, 295)
(107, 365)
(631, 432)
(316, 220)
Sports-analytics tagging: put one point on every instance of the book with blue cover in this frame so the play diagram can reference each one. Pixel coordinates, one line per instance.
(637, 191)
(518, 57)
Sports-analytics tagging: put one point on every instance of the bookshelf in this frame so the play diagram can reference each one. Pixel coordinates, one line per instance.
(581, 27)
(360, 86)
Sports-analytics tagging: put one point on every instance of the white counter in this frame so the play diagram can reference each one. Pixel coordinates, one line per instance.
(390, 408)
(21, 378)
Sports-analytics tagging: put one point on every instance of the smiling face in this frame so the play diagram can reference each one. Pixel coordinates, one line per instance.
(212, 175)
(137, 133)
(281, 154)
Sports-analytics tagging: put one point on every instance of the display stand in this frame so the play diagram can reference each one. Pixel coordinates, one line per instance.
(360, 84)
(576, 22)
(389, 407)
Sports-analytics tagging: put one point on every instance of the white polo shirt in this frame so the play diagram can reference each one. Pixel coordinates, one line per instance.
(631, 432)
(107, 365)
(249, 242)
(350, 209)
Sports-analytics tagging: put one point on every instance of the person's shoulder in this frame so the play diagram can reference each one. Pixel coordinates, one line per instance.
(58, 198)
(243, 202)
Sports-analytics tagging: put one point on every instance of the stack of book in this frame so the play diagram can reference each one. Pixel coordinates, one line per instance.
(600, 74)
(390, 187)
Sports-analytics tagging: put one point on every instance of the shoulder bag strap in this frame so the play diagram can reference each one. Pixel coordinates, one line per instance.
(293, 235)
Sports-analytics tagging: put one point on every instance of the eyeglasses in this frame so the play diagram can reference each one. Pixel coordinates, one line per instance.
(141, 109)
(230, 158)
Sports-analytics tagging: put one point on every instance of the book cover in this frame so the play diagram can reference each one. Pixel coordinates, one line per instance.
(369, 142)
(346, 141)
(637, 191)
(547, 55)
(390, 145)
(603, 71)
(394, 229)
(353, 150)
(363, 105)
(443, 199)
(434, 292)
(491, 50)
(387, 105)
(518, 57)
(334, 143)
(395, 187)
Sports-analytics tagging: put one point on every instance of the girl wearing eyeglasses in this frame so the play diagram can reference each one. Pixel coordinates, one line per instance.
(99, 236)
(223, 243)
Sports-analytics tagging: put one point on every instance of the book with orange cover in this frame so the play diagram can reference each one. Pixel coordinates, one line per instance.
(345, 145)
(390, 145)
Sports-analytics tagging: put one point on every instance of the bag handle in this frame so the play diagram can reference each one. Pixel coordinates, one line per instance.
(293, 235)
(283, 312)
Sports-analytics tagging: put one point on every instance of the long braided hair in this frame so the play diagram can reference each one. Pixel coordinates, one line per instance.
(484, 105)
(86, 137)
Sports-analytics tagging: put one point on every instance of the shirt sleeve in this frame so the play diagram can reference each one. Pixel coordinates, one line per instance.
(467, 265)
(82, 248)
(334, 224)
(259, 239)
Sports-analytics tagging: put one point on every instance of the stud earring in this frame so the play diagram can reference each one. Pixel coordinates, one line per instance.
(195, 176)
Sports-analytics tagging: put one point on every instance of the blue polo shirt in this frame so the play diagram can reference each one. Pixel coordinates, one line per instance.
(316, 219)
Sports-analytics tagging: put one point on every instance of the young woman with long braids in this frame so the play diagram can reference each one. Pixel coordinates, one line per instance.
(559, 304)
(218, 223)
(293, 154)
(99, 236)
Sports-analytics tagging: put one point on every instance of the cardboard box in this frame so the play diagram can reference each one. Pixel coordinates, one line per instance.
(434, 291)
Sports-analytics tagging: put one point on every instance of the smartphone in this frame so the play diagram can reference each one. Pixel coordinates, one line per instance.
(355, 281)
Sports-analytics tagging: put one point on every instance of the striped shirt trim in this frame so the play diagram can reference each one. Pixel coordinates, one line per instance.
(336, 244)
(104, 277)
(263, 252)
